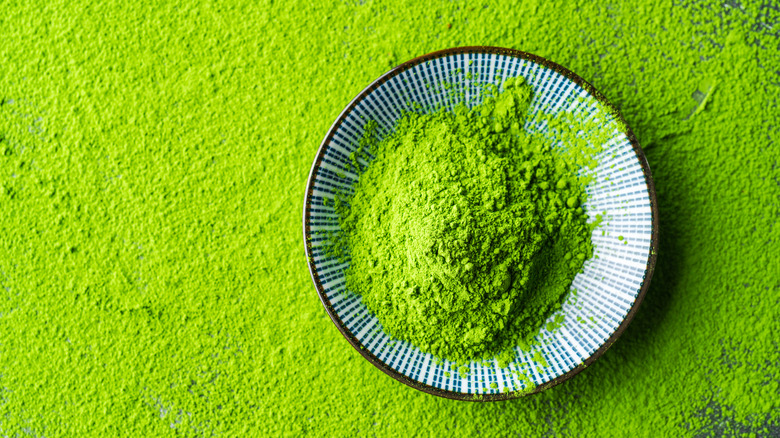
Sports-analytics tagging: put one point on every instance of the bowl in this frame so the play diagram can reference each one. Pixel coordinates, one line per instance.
(611, 285)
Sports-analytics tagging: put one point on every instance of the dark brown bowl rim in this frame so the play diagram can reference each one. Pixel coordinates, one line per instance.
(340, 324)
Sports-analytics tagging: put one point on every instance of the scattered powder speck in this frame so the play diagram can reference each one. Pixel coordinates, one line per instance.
(153, 158)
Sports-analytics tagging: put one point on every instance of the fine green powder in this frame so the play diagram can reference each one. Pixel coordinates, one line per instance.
(153, 160)
(465, 232)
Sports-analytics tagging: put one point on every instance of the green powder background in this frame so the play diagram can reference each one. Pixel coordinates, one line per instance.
(153, 164)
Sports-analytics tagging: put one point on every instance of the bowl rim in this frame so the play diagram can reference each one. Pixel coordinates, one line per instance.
(307, 230)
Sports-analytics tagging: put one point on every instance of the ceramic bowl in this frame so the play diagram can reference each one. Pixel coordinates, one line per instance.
(610, 288)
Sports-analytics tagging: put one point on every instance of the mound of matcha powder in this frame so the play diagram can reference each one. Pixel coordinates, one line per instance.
(465, 232)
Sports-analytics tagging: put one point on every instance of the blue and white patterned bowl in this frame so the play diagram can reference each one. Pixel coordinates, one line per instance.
(609, 289)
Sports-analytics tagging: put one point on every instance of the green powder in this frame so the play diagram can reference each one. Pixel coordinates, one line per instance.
(465, 232)
(152, 278)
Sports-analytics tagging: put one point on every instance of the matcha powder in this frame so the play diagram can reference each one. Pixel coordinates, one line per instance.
(465, 232)
(153, 158)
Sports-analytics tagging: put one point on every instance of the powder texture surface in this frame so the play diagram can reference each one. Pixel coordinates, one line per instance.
(465, 233)
(153, 160)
